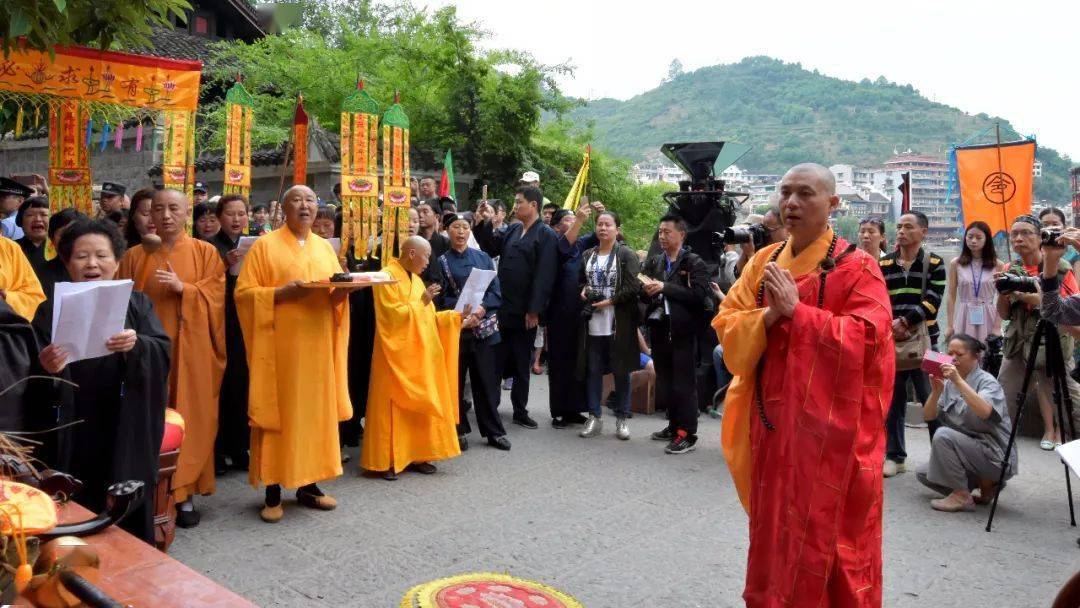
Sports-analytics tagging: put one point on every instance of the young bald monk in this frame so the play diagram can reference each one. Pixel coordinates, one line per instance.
(297, 346)
(805, 331)
(185, 279)
(412, 406)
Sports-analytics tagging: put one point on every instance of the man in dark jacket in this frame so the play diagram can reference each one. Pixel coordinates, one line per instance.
(527, 266)
(675, 293)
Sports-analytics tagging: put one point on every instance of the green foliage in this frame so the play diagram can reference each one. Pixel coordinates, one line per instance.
(791, 115)
(102, 23)
(484, 106)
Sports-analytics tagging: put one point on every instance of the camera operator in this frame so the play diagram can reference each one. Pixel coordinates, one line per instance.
(773, 225)
(1019, 304)
(969, 448)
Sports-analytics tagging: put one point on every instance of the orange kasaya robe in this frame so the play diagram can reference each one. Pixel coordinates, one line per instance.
(812, 485)
(195, 323)
(298, 356)
(20, 285)
(412, 406)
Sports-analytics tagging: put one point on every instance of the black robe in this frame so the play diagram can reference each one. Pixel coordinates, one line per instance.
(121, 400)
(34, 253)
(361, 345)
(18, 354)
(52, 272)
(234, 434)
(566, 392)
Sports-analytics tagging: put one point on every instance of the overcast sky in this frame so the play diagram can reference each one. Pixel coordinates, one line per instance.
(1017, 60)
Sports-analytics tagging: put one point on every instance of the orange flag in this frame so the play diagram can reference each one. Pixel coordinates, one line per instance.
(995, 182)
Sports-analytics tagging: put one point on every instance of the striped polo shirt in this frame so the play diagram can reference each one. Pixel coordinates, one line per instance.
(905, 287)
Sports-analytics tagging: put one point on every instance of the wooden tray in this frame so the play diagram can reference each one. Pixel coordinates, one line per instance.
(331, 285)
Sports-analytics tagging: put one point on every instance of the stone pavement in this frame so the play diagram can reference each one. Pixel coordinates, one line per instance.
(616, 524)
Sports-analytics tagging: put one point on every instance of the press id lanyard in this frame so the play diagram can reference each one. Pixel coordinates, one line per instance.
(976, 312)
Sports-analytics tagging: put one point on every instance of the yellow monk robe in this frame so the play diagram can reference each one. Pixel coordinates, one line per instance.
(412, 406)
(20, 285)
(298, 356)
(195, 322)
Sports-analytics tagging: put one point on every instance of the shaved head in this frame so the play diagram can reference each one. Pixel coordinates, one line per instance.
(807, 197)
(826, 177)
(169, 212)
(415, 253)
(299, 190)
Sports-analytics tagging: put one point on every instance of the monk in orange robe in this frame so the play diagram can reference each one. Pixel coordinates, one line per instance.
(185, 279)
(806, 332)
(19, 286)
(297, 342)
(412, 406)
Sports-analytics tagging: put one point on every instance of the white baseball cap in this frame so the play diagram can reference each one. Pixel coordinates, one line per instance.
(530, 176)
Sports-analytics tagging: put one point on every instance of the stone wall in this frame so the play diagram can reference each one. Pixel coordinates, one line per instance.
(124, 166)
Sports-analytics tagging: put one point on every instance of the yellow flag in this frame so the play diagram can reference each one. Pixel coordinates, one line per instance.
(573, 199)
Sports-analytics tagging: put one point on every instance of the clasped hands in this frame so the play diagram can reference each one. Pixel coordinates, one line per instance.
(948, 372)
(54, 358)
(781, 293)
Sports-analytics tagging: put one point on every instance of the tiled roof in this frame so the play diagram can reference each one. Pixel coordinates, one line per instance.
(177, 44)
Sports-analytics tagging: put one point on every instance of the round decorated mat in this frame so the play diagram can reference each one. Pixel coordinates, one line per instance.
(486, 590)
(26, 507)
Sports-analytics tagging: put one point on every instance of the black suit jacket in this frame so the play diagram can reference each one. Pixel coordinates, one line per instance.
(686, 290)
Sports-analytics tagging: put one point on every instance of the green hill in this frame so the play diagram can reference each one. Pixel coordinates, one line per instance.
(792, 115)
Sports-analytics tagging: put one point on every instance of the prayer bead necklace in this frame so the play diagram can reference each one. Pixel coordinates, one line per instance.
(826, 266)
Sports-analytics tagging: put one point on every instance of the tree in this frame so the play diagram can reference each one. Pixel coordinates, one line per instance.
(102, 23)
(674, 70)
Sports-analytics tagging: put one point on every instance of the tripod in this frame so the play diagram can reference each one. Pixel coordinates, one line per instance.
(1045, 332)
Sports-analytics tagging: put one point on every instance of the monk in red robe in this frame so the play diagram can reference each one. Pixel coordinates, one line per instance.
(805, 331)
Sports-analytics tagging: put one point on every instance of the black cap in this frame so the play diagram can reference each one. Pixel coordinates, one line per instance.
(558, 216)
(450, 218)
(10, 187)
(199, 187)
(110, 188)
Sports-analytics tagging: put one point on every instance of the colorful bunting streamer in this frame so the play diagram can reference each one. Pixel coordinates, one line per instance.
(396, 192)
(239, 107)
(300, 143)
(359, 173)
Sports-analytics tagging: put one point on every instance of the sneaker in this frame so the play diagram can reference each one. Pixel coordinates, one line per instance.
(663, 435)
(892, 468)
(523, 420)
(622, 428)
(559, 422)
(463, 443)
(681, 443)
(593, 427)
(575, 419)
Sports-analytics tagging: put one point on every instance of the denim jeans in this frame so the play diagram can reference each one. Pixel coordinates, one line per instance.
(599, 363)
(894, 423)
(723, 376)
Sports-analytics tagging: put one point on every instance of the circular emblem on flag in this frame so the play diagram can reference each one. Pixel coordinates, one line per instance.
(999, 188)
(486, 590)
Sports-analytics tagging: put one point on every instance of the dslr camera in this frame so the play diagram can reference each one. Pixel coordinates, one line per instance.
(1011, 283)
(591, 298)
(757, 234)
(1049, 237)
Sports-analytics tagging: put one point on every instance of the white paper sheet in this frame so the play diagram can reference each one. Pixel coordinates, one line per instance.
(472, 294)
(86, 315)
(242, 247)
(1070, 453)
